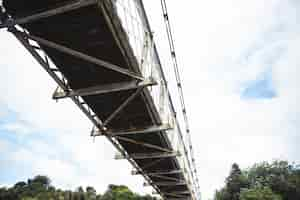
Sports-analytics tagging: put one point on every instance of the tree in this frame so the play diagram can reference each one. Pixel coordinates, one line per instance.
(280, 176)
(39, 188)
(259, 193)
(278, 180)
(41, 180)
(91, 193)
(234, 183)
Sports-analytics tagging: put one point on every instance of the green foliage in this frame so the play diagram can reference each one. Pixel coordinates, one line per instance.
(275, 181)
(259, 193)
(40, 188)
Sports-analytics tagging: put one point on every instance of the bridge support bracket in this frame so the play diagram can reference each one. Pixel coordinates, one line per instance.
(146, 130)
(97, 90)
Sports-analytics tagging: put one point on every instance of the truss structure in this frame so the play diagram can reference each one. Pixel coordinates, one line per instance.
(147, 80)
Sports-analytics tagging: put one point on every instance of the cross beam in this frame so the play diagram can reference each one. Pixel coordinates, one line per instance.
(175, 194)
(140, 156)
(151, 146)
(150, 129)
(167, 178)
(182, 192)
(74, 5)
(158, 172)
(167, 183)
(103, 89)
(183, 198)
(79, 55)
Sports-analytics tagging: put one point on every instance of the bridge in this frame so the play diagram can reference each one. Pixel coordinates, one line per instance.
(102, 55)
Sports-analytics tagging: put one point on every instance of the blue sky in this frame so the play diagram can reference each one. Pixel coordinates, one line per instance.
(260, 88)
(240, 66)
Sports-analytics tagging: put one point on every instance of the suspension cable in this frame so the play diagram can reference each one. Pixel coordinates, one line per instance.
(180, 88)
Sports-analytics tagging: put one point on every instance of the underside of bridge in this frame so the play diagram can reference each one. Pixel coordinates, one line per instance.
(96, 67)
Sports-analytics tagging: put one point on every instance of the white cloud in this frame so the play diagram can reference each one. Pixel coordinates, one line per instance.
(221, 45)
(17, 127)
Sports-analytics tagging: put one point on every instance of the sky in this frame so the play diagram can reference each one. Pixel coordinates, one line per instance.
(238, 62)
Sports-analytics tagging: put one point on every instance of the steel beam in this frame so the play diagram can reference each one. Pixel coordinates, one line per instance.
(146, 130)
(45, 64)
(141, 156)
(182, 192)
(175, 195)
(167, 183)
(151, 146)
(103, 89)
(80, 55)
(122, 106)
(158, 172)
(167, 178)
(151, 164)
(74, 5)
(181, 198)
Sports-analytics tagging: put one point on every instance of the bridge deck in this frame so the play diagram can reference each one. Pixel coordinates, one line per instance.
(95, 30)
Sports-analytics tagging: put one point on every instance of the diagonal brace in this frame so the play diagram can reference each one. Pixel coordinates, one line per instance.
(151, 146)
(80, 55)
(45, 64)
(122, 106)
(167, 178)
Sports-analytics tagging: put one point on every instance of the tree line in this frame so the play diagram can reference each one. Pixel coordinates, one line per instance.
(278, 180)
(40, 188)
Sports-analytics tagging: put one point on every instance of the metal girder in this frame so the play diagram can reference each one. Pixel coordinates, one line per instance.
(140, 156)
(103, 89)
(151, 146)
(166, 178)
(150, 129)
(168, 183)
(80, 55)
(158, 172)
(178, 195)
(180, 198)
(151, 164)
(59, 10)
(175, 194)
(182, 192)
(45, 64)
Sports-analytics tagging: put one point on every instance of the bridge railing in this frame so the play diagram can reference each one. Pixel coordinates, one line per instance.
(136, 25)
